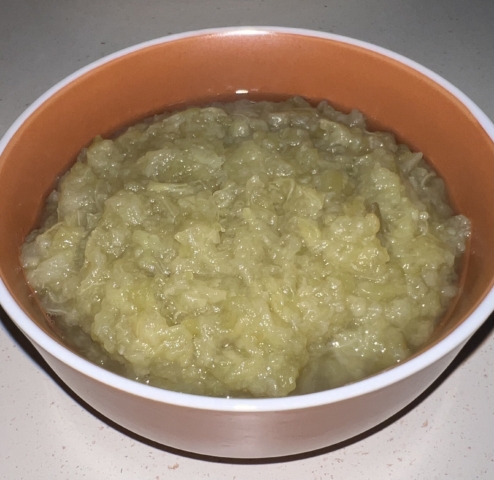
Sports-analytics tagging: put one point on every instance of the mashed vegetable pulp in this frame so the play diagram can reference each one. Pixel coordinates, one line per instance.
(247, 249)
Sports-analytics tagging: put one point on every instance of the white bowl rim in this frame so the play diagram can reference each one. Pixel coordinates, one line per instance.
(381, 380)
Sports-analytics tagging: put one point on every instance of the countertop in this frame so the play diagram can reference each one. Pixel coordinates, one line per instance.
(46, 433)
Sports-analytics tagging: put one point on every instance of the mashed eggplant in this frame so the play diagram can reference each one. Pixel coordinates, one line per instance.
(248, 250)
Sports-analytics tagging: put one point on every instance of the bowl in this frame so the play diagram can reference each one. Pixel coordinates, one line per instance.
(395, 93)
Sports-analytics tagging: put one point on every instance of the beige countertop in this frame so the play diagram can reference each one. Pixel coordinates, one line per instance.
(46, 433)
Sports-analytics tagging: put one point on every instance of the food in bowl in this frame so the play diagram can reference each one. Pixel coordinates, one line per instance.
(247, 249)
(424, 110)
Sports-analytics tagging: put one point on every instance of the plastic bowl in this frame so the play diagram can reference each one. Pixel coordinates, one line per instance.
(395, 93)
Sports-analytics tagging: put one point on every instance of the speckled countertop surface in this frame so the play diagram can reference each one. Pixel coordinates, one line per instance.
(45, 433)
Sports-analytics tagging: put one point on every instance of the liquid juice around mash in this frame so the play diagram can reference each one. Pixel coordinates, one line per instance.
(247, 250)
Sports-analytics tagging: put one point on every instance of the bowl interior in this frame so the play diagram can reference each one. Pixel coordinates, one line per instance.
(267, 64)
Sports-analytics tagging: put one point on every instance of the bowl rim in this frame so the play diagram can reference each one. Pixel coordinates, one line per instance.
(454, 339)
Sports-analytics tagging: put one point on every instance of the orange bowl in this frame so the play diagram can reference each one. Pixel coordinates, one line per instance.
(394, 93)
